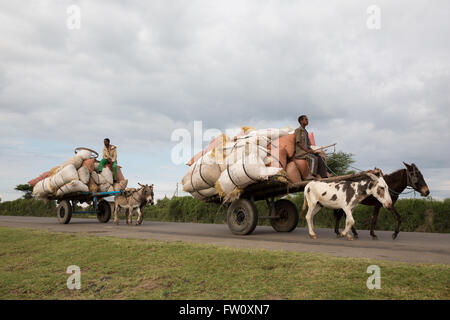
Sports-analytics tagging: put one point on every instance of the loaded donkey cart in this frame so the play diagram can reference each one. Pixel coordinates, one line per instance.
(79, 181)
(254, 165)
(242, 214)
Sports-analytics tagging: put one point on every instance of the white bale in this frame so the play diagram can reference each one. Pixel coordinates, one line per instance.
(65, 175)
(244, 172)
(84, 154)
(49, 187)
(203, 174)
(271, 133)
(84, 175)
(107, 175)
(71, 187)
(38, 190)
(96, 177)
(204, 194)
(75, 161)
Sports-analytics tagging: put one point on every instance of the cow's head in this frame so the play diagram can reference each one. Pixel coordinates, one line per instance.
(147, 193)
(415, 179)
(379, 189)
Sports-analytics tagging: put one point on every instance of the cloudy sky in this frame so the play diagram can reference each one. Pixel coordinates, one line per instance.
(135, 71)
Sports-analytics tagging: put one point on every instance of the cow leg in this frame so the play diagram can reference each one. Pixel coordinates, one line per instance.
(337, 219)
(349, 222)
(373, 223)
(310, 218)
(399, 221)
(140, 217)
(355, 234)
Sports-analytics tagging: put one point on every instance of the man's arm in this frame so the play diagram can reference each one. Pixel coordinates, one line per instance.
(300, 142)
(114, 155)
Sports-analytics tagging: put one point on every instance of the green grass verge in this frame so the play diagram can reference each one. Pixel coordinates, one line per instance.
(33, 265)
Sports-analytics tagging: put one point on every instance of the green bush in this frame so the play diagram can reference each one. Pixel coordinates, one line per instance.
(28, 207)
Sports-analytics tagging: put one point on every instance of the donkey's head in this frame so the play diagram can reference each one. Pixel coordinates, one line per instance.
(147, 193)
(415, 179)
(379, 189)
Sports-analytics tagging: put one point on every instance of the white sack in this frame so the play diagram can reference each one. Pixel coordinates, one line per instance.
(84, 154)
(76, 161)
(84, 175)
(107, 175)
(96, 177)
(205, 193)
(71, 187)
(203, 174)
(38, 190)
(66, 175)
(244, 172)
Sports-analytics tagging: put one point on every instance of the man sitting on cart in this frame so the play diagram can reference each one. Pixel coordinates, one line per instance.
(303, 151)
(109, 157)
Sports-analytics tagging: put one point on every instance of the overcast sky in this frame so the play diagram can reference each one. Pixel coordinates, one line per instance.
(137, 70)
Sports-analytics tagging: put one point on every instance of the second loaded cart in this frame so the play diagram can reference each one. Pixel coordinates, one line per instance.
(68, 203)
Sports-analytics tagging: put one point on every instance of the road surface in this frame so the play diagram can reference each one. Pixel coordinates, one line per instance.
(408, 247)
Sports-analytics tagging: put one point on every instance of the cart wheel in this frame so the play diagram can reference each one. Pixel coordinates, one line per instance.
(64, 212)
(288, 216)
(242, 217)
(104, 211)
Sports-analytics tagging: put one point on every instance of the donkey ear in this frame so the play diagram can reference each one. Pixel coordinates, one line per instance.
(140, 184)
(406, 165)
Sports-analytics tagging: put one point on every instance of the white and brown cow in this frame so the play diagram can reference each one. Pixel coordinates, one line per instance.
(344, 195)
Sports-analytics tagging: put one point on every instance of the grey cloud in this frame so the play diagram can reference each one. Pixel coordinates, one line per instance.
(138, 70)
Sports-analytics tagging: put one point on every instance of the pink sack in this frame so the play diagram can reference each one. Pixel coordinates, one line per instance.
(311, 138)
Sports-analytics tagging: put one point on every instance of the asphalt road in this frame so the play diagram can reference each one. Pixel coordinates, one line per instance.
(408, 247)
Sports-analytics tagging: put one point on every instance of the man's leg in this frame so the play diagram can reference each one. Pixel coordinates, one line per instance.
(313, 163)
(102, 164)
(321, 167)
(115, 170)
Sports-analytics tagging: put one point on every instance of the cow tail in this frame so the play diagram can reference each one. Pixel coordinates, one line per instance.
(305, 205)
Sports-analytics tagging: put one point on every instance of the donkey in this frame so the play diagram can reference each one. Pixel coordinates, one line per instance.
(133, 199)
(397, 182)
(344, 195)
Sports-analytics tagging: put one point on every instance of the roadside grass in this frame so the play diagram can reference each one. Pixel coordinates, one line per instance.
(33, 265)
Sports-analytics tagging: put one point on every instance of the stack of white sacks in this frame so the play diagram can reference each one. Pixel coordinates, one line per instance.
(74, 176)
(233, 164)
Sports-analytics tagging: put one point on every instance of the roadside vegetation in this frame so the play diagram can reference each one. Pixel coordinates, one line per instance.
(422, 215)
(33, 265)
